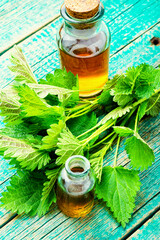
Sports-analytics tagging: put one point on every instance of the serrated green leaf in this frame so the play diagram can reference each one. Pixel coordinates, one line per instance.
(48, 192)
(68, 145)
(139, 152)
(123, 131)
(24, 194)
(153, 107)
(118, 189)
(105, 98)
(29, 157)
(145, 83)
(122, 99)
(142, 110)
(10, 109)
(81, 124)
(116, 113)
(33, 106)
(50, 141)
(96, 161)
(62, 79)
(21, 68)
(42, 90)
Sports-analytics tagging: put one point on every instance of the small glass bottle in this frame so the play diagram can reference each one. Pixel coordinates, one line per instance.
(84, 42)
(75, 187)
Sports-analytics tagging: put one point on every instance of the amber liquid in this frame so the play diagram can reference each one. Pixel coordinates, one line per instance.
(86, 57)
(72, 205)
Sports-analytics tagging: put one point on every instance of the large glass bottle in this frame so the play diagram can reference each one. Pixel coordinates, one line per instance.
(84, 47)
(75, 187)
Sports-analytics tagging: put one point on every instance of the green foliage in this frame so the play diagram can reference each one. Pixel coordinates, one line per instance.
(96, 161)
(142, 109)
(29, 157)
(153, 107)
(24, 194)
(118, 189)
(65, 80)
(47, 119)
(10, 109)
(116, 113)
(21, 68)
(61, 79)
(50, 141)
(139, 152)
(32, 105)
(68, 145)
(123, 131)
(48, 192)
(81, 124)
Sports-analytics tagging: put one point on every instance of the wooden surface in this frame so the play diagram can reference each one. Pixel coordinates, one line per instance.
(33, 25)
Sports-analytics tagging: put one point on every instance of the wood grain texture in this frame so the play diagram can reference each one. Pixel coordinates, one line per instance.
(150, 230)
(39, 49)
(20, 19)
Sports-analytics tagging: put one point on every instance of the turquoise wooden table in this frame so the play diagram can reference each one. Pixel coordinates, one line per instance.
(33, 26)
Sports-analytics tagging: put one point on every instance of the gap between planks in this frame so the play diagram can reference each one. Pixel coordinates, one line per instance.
(137, 227)
(50, 21)
(30, 34)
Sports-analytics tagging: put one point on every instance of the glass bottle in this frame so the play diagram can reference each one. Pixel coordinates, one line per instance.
(84, 48)
(75, 187)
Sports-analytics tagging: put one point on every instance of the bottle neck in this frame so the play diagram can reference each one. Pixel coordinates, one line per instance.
(76, 26)
(77, 167)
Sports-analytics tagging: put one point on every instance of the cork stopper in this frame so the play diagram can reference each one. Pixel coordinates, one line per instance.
(82, 9)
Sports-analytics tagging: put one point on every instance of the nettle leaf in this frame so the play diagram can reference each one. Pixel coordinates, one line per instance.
(81, 124)
(61, 78)
(42, 90)
(139, 152)
(142, 110)
(153, 107)
(116, 113)
(21, 68)
(145, 83)
(50, 141)
(32, 105)
(96, 161)
(29, 157)
(122, 99)
(48, 192)
(10, 109)
(105, 98)
(68, 145)
(118, 188)
(24, 194)
(123, 131)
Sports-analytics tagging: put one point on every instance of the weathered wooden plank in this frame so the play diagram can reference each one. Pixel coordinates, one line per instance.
(42, 45)
(20, 19)
(150, 230)
(59, 224)
(33, 15)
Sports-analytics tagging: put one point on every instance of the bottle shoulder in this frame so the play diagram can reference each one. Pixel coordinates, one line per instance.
(96, 41)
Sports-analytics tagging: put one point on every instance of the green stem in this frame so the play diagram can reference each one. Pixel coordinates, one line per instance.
(104, 127)
(115, 159)
(104, 139)
(153, 103)
(136, 121)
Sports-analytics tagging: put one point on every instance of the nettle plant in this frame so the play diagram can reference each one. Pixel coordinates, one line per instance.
(46, 122)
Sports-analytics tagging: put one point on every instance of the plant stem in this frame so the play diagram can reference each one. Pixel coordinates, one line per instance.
(115, 159)
(104, 127)
(104, 139)
(136, 121)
